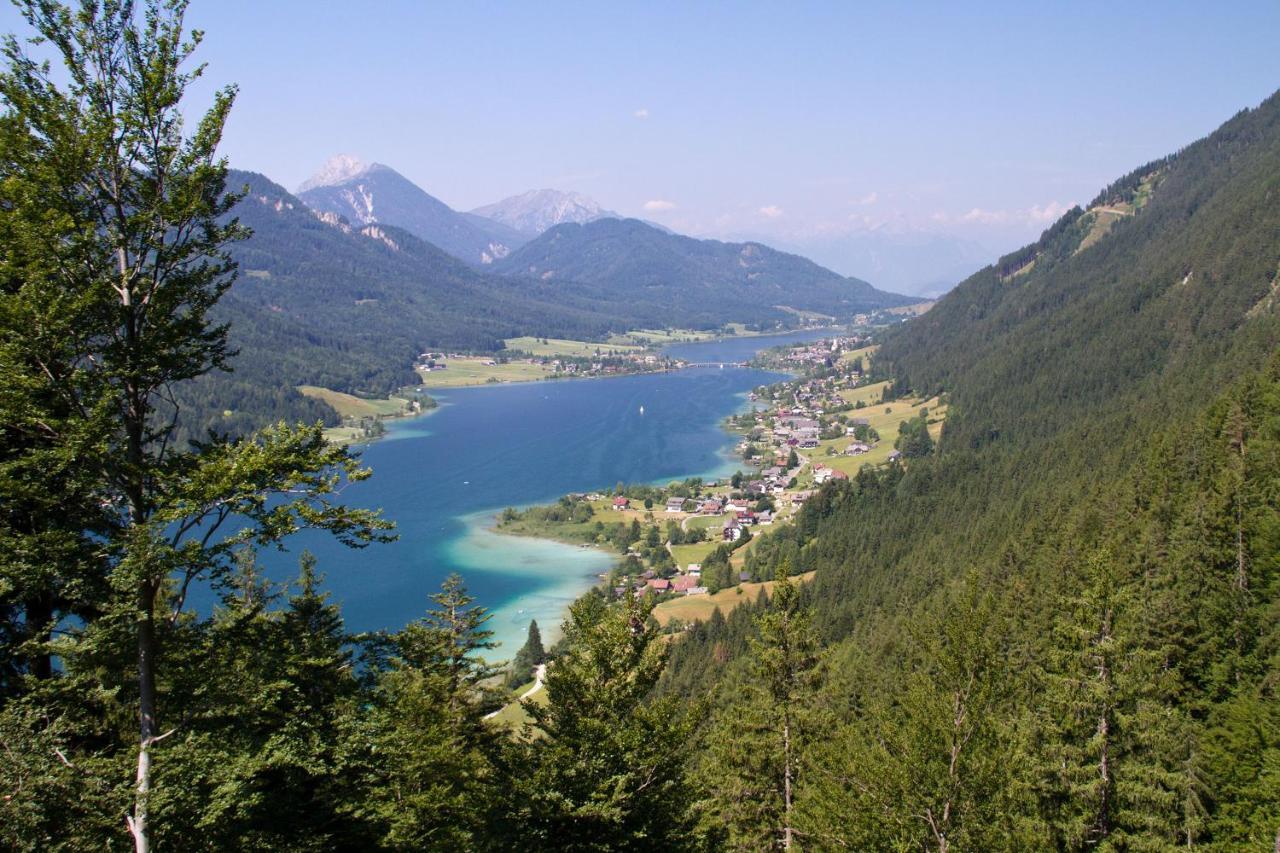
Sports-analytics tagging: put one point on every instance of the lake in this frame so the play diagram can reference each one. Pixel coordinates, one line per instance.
(443, 477)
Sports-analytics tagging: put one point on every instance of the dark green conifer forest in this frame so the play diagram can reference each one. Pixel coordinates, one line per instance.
(1057, 627)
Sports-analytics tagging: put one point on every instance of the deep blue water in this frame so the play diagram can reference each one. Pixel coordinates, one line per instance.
(442, 478)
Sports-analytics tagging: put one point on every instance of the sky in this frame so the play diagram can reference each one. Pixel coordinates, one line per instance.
(807, 125)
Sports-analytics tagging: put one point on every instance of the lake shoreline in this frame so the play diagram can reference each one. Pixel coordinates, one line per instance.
(549, 532)
(523, 444)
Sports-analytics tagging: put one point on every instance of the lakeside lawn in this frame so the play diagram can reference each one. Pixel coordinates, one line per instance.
(472, 370)
(698, 608)
(344, 435)
(561, 346)
(349, 405)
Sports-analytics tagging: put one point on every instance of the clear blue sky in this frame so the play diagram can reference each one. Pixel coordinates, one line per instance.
(790, 120)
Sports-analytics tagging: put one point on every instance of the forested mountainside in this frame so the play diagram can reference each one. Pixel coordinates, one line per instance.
(321, 302)
(683, 280)
(1060, 631)
(379, 194)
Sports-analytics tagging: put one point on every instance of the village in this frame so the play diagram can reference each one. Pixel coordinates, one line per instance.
(518, 366)
(690, 543)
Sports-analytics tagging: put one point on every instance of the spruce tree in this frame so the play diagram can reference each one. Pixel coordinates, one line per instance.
(755, 749)
(429, 764)
(604, 767)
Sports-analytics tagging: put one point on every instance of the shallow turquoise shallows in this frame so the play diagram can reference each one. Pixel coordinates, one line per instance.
(443, 477)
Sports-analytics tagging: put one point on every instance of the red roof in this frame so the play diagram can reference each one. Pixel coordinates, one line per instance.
(684, 582)
(621, 501)
(659, 583)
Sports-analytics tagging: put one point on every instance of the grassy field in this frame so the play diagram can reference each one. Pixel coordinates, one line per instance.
(660, 337)
(348, 405)
(706, 521)
(915, 309)
(884, 418)
(474, 371)
(695, 553)
(694, 608)
(855, 354)
(343, 435)
(559, 346)
(513, 715)
(1103, 219)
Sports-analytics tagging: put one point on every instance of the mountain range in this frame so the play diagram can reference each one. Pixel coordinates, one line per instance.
(347, 302)
(535, 211)
(368, 194)
(686, 280)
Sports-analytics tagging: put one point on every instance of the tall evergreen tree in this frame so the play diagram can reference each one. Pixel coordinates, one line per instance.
(754, 752)
(429, 766)
(530, 656)
(605, 764)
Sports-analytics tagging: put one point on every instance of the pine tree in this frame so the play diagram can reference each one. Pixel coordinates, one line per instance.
(755, 748)
(930, 763)
(529, 658)
(429, 764)
(604, 764)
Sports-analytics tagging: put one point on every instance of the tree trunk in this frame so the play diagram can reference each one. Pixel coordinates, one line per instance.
(39, 616)
(147, 717)
(786, 782)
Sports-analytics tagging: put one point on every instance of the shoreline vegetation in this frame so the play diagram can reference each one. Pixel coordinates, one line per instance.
(695, 546)
(524, 359)
(532, 359)
(535, 359)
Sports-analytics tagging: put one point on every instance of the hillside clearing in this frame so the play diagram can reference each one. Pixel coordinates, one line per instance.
(698, 608)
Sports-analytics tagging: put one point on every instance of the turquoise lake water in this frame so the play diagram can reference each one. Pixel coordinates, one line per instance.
(443, 477)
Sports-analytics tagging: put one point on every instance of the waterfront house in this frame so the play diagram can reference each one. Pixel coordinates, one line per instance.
(621, 503)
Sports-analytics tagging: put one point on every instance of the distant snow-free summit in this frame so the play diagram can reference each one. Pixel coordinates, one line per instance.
(536, 211)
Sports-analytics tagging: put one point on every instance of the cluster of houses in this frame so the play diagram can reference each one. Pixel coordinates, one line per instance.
(740, 510)
(612, 364)
(687, 583)
(819, 352)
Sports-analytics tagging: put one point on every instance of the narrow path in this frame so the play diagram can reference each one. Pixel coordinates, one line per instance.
(537, 682)
(538, 675)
